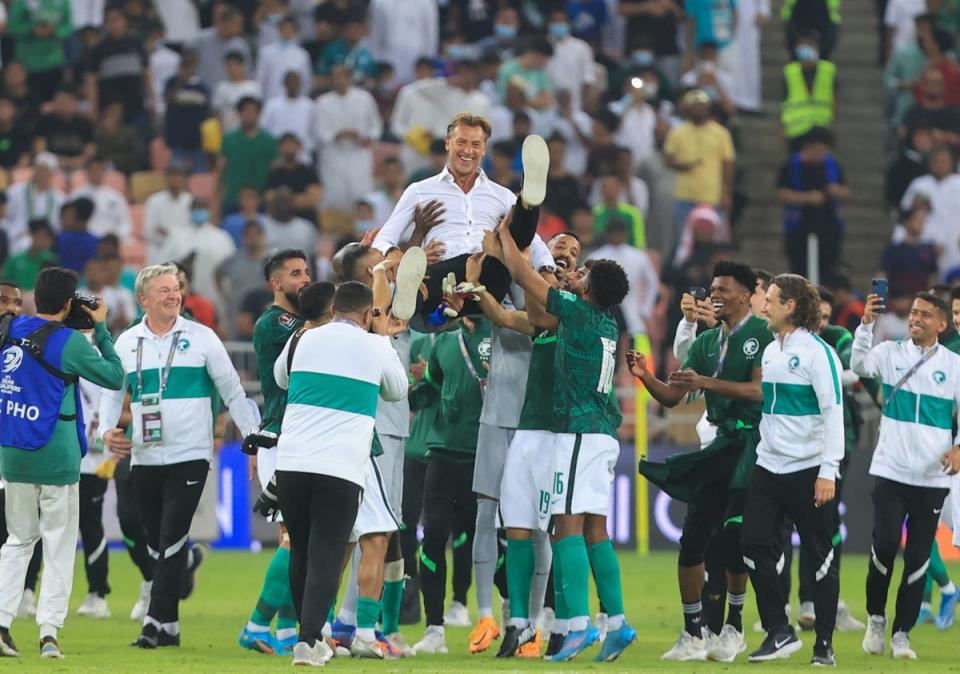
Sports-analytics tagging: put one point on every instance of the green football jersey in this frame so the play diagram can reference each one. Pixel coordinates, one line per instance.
(743, 355)
(951, 339)
(537, 411)
(270, 335)
(583, 366)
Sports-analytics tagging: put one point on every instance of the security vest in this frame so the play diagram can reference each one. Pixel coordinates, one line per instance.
(833, 9)
(804, 108)
(32, 386)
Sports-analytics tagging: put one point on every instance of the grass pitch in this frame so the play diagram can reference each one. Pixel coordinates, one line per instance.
(229, 583)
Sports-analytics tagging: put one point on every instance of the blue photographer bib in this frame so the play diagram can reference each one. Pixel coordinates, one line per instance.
(30, 394)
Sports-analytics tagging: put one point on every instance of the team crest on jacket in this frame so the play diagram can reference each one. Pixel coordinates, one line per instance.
(939, 376)
(287, 320)
(183, 345)
(750, 347)
(794, 363)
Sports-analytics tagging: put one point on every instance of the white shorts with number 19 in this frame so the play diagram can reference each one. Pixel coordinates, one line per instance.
(527, 484)
(584, 470)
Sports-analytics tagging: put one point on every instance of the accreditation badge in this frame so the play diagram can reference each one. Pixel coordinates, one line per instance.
(151, 420)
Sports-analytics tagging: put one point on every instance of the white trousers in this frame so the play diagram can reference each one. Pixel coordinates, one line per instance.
(50, 513)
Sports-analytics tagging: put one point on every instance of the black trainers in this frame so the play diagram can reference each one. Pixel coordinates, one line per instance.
(554, 644)
(779, 644)
(823, 655)
(188, 580)
(514, 638)
(164, 639)
(8, 649)
(148, 637)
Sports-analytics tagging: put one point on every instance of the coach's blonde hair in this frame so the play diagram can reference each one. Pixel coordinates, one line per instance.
(149, 273)
(469, 119)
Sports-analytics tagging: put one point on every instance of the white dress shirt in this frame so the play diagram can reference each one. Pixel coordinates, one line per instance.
(85, 13)
(468, 216)
(24, 203)
(111, 213)
(275, 61)
(291, 115)
(571, 67)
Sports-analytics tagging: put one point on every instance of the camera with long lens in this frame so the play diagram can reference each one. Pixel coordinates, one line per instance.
(78, 319)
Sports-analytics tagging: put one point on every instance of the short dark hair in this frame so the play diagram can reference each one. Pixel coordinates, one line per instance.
(825, 295)
(764, 277)
(38, 225)
(570, 233)
(739, 272)
(278, 259)
(817, 134)
(352, 297)
(955, 293)
(84, 208)
(538, 45)
(352, 253)
(55, 287)
(504, 147)
(10, 284)
(800, 290)
(248, 100)
(930, 298)
(285, 137)
(608, 283)
(316, 299)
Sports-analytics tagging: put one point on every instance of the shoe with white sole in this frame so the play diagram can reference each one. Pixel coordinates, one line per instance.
(808, 616)
(845, 621)
(317, 655)
(758, 626)
(367, 648)
(900, 647)
(400, 644)
(410, 272)
(780, 644)
(457, 615)
(433, 642)
(139, 610)
(536, 165)
(709, 638)
(874, 635)
(8, 649)
(94, 606)
(727, 646)
(50, 649)
(28, 605)
(687, 647)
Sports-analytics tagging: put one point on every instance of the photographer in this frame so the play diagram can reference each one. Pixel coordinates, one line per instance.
(42, 440)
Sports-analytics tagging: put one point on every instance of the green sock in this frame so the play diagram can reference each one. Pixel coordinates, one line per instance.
(392, 598)
(572, 551)
(332, 613)
(368, 610)
(937, 569)
(276, 589)
(520, 569)
(559, 599)
(606, 573)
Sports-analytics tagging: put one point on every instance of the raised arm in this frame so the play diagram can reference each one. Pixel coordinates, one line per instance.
(864, 359)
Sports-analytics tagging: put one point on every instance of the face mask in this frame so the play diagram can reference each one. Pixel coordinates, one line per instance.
(199, 216)
(643, 57)
(712, 93)
(504, 30)
(458, 52)
(806, 52)
(559, 29)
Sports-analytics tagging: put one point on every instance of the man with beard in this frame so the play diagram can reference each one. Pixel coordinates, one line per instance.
(287, 273)
(721, 363)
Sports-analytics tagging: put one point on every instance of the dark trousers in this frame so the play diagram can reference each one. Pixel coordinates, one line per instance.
(770, 498)
(319, 511)
(493, 274)
(795, 242)
(168, 497)
(414, 472)
(33, 570)
(131, 526)
(449, 507)
(894, 502)
(95, 553)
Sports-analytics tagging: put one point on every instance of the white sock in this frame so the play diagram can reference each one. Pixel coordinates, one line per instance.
(615, 622)
(949, 588)
(543, 557)
(560, 626)
(579, 623)
(348, 609)
(173, 629)
(286, 633)
(366, 633)
(485, 554)
(519, 623)
(254, 627)
(148, 620)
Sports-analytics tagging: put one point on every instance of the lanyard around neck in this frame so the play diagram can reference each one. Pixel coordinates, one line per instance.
(164, 373)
